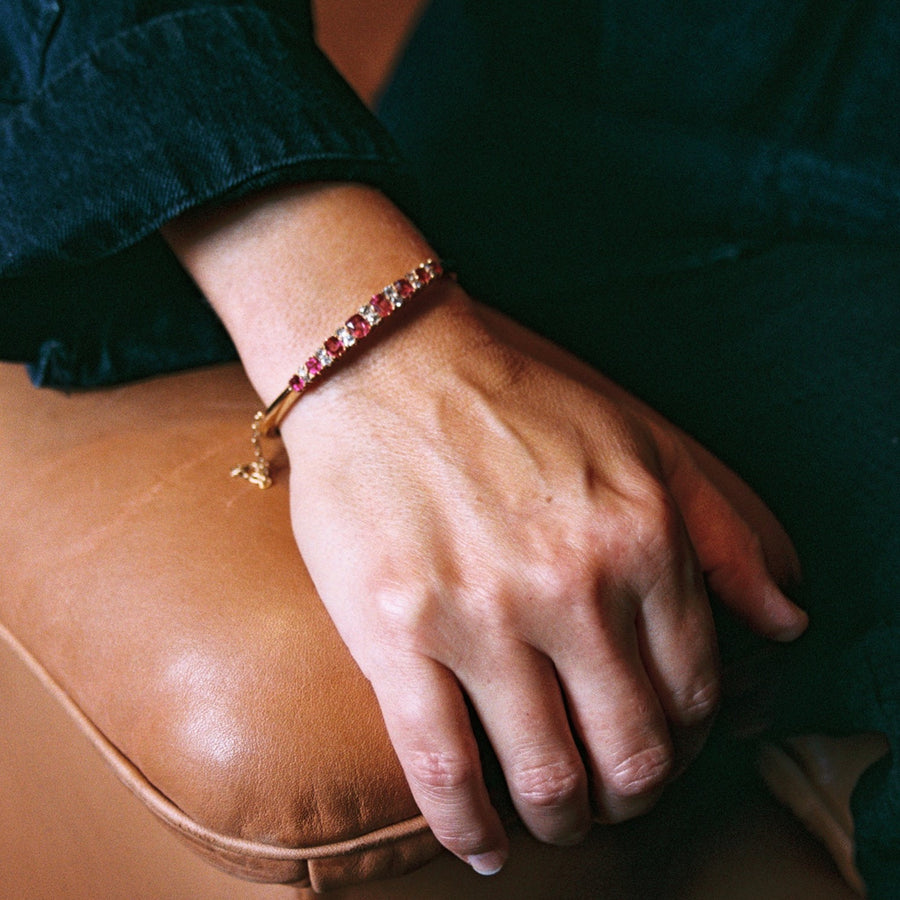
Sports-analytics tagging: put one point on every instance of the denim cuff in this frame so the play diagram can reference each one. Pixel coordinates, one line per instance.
(189, 107)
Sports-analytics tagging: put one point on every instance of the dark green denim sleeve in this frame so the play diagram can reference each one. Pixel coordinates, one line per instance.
(117, 117)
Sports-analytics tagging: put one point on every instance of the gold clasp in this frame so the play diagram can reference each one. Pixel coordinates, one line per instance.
(256, 472)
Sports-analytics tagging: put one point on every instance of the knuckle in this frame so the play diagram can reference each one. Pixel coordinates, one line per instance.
(550, 785)
(404, 613)
(641, 772)
(644, 527)
(436, 772)
(698, 703)
(656, 522)
(568, 577)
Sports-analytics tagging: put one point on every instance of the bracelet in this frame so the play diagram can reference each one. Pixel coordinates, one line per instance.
(266, 422)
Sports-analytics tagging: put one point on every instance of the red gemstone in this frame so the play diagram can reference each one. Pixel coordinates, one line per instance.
(404, 288)
(296, 383)
(358, 326)
(313, 366)
(423, 275)
(383, 305)
(334, 347)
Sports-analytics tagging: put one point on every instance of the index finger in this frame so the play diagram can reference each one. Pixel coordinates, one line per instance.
(429, 725)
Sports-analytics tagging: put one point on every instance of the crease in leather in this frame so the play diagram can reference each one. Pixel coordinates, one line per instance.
(87, 542)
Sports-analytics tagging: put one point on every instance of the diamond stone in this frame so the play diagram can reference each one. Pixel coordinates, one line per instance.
(345, 335)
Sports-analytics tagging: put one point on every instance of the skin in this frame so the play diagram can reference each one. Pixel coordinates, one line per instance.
(483, 526)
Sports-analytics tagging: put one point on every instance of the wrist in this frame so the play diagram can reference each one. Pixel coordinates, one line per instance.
(283, 268)
(358, 328)
(414, 352)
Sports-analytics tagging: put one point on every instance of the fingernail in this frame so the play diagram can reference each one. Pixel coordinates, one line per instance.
(487, 863)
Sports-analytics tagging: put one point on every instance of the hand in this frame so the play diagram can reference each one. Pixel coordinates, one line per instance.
(488, 520)
(481, 526)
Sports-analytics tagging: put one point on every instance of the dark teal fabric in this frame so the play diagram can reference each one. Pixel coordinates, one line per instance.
(117, 116)
(703, 200)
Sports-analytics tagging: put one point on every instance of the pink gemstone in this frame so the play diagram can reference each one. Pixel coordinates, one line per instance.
(404, 288)
(358, 326)
(334, 347)
(313, 367)
(296, 383)
(382, 304)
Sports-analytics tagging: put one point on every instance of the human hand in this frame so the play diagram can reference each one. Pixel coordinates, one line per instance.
(488, 520)
(484, 527)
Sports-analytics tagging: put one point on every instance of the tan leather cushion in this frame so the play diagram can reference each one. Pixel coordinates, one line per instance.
(167, 609)
(167, 605)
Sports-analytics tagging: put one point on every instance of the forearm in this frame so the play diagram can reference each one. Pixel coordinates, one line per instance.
(533, 536)
(283, 268)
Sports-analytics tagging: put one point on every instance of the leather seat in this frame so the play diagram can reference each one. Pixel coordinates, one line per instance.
(171, 682)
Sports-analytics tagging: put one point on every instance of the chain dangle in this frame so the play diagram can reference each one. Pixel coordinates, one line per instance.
(258, 471)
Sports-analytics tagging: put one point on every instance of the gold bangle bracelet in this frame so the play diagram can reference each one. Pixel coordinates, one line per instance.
(383, 304)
